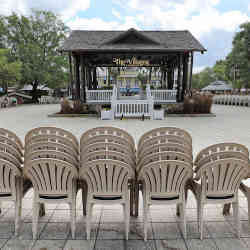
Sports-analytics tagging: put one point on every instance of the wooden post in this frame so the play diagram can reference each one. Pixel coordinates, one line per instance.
(83, 78)
(185, 76)
(71, 75)
(77, 77)
(191, 71)
(179, 78)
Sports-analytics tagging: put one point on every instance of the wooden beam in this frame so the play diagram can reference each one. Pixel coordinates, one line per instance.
(185, 76)
(83, 78)
(180, 59)
(191, 71)
(77, 77)
(71, 74)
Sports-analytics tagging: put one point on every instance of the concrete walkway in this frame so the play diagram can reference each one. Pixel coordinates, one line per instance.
(230, 124)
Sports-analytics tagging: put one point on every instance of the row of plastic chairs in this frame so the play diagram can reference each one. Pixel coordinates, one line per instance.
(237, 100)
(109, 169)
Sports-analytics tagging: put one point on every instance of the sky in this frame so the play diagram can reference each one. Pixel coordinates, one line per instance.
(213, 22)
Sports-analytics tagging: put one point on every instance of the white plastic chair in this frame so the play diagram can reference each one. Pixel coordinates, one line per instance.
(107, 182)
(220, 181)
(53, 181)
(164, 184)
(11, 187)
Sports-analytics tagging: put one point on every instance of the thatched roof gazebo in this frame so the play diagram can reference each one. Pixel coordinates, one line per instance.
(216, 86)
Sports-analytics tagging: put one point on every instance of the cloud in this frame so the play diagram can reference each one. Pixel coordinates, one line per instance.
(100, 24)
(116, 13)
(67, 9)
(200, 17)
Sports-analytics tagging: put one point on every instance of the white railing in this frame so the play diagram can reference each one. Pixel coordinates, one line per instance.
(237, 100)
(48, 100)
(164, 95)
(99, 95)
(135, 108)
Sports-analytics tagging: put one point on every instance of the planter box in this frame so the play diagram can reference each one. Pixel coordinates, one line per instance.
(107, 115)
(158, 114)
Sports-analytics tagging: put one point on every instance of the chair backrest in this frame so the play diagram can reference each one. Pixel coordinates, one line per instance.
(107, 176)
(12, 136)
(7, 140)
(51, 131)
(222, 176)
(52, 154)
(164, 156)
(163, 147)
(221, 151)
(51, 146)
(104, 146)
(51, 176)
(111, 155)
(171, 139)
(8, 174)
(167, 177)
(52, 138)
(106, 139)
(165, 131)
(106, 131)
(7, 147)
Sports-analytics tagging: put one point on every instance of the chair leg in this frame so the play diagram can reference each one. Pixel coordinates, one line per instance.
(236, 217)
(88, 219)
(136, 199)
(183, 219)
(84, 198)
(201, 208)
(126, 211)
(72, 207)
(132, 191)
(0, 207)
(18, 208)
(41, 210)
(145, 217)
(226, 209)
(35, 218)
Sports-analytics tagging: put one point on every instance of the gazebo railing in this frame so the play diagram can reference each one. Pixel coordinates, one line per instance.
(164, 95)
(100, 96)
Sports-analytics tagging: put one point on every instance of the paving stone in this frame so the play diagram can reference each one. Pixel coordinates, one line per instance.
(49, 245)
(166, 231)
(79, 245)
(110, 245)
(17, 244)
(171, 244)
(220, 229)
(197, 244)
(55, 231)
(140, 244)
(231, 244)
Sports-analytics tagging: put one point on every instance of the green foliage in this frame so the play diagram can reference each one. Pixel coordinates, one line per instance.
(203, 78)
(142, 78)
(34, 41)
(10, 72)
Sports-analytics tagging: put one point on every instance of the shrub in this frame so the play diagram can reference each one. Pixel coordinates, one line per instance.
(77, 107)
(188, 105)
(66, 107)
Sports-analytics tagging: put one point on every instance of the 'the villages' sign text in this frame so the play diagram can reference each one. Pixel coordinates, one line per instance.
(131, 62)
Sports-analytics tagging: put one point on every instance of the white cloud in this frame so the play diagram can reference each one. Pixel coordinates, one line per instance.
(116, 13)
(100, 24)
(200, 17)
(67, 9)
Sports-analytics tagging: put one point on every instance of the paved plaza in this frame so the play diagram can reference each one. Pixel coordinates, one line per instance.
(231, 124)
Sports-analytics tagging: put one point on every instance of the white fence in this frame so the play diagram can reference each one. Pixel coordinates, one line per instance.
(137, 108)
(237, 100)
(164, 95)
(48, 100)
(100, 96)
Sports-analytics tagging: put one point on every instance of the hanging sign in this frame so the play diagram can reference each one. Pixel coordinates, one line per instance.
(131, 62)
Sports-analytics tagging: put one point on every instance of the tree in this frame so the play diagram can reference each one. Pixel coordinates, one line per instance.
(9, 71)
(142, 78)
(34, 40)
(238, 60)
(219, 70)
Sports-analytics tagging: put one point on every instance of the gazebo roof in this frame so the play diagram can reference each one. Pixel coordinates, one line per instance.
(217, 86)
(131, 40)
